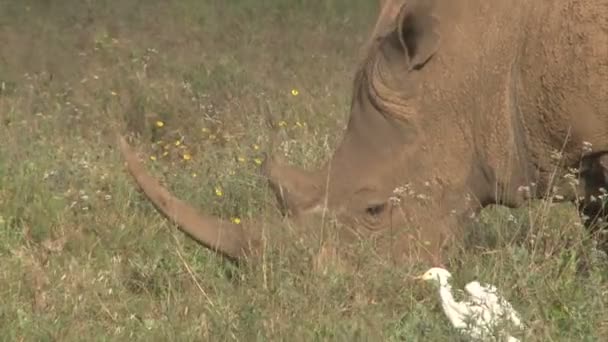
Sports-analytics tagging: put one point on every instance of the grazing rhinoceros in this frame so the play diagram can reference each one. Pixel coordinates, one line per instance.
(456, 105)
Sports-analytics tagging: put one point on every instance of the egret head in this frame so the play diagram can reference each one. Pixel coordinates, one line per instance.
(437, 274)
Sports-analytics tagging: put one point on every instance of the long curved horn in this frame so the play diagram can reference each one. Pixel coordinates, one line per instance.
(223, 237)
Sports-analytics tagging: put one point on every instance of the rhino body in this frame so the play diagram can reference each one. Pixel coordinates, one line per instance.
(456, 105)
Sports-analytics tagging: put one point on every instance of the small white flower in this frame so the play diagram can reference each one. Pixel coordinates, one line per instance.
(587, 147)
(394, 200)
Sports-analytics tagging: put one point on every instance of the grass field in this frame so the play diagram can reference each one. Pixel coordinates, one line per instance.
(86, 257)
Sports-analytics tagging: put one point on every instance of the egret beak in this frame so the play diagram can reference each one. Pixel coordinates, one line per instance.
(417, 277)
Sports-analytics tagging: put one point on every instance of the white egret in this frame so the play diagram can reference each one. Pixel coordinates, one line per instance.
(487, 295)
(477, 317)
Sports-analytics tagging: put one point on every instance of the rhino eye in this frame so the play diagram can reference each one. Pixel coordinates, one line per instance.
(375, 209)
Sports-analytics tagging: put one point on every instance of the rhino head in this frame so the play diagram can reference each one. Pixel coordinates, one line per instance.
(377, 182)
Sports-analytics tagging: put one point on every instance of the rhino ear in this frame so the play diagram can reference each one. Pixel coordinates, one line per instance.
(417, 32)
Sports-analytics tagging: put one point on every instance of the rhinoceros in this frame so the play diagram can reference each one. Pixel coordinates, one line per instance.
(456, 105)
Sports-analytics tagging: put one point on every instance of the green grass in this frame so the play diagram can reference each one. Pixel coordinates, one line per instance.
(85, 256)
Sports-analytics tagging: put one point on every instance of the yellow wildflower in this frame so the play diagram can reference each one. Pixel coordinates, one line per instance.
(204, 129)
(152, 158)
(193, 174)
(165, 153)
(282, 123)
(294, 92)
(159, 124)
(236, 220)
(218, 191)
(257, 161)
(113, 93)
(241, 159)
(178, 142)
(256, 147)
(298, 124)
(187, 156)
